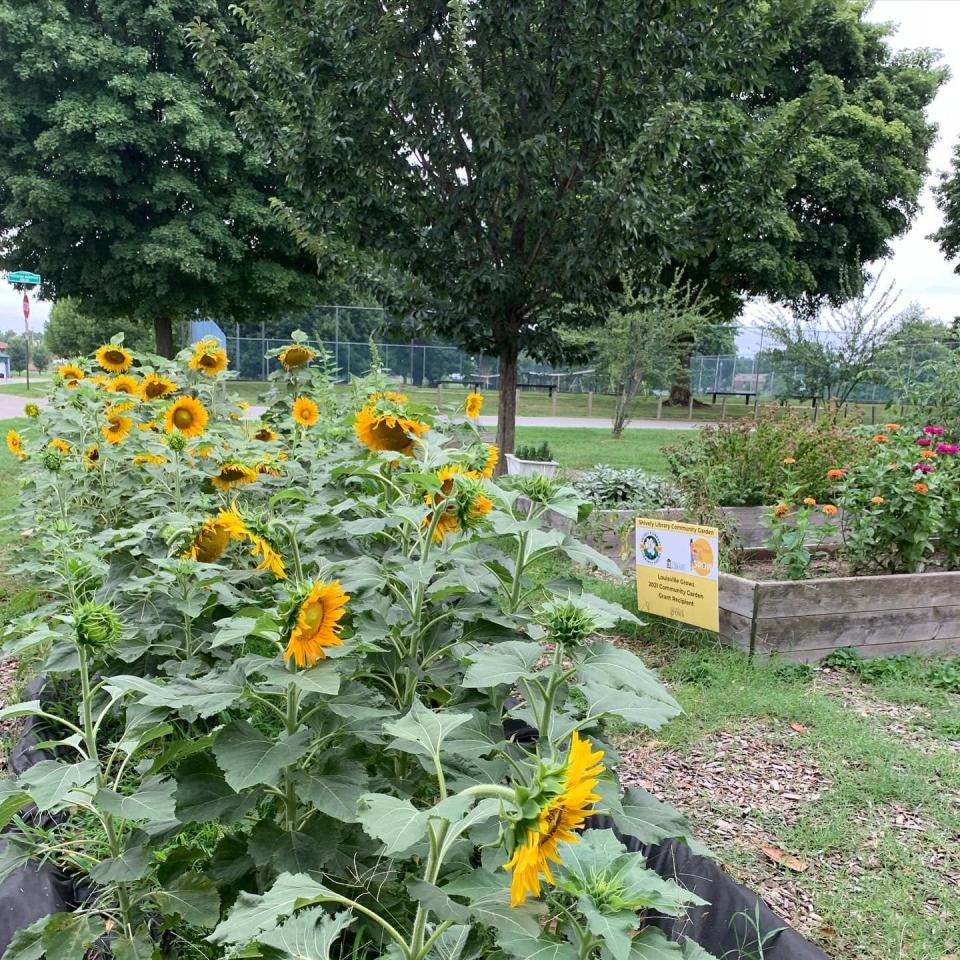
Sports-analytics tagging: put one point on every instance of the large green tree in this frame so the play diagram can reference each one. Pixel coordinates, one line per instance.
(948, 200)
(70, 332)
(122, 180)
(512, 157)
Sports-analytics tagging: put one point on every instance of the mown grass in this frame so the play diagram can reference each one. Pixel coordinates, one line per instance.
(580, 448)
(16, 596)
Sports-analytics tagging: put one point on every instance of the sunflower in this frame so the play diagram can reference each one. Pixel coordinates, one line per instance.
(31, 410)
(296, 355)
(91, 456)
(447, 523)
(317, 624)
(188, 415)
(114, 358)
(305, 412)
(233, 474)
(71, 374)
(560, 820)
(265, 434)
(15, 444)
(480, 506)
(210, 543)
(270, 559)
(117, 427)
(493, 456)
(391, 395)
(124, 384)
(155, 387)
(387, 431)
(152, 458)
(474, 405)
(208, 357)
(61, 445)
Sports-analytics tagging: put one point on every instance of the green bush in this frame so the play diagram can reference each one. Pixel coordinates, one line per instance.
(608, 487)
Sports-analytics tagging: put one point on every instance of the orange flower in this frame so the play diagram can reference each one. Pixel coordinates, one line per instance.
(809, 501)
(928, 453)
(892, 427)
(830, 510)
(305, 412)
(789, 461)
(880, 438)
(876, 501)
(835, 474)
(781, 510)
(921, 488)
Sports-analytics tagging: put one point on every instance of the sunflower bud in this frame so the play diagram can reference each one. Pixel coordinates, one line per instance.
(97, 624)
(32, 411)
(567, 622)
(52, 460)
(538, 488)
(177, 442)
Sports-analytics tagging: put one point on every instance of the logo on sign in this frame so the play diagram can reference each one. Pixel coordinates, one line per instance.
(651, 548)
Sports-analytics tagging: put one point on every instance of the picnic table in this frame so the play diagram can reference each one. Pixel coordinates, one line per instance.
(476, 384)
(746, 394)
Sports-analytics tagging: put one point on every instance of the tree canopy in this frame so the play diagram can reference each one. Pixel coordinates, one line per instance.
(122, 180)
(948, 200)
(511, 158)
(70, 332)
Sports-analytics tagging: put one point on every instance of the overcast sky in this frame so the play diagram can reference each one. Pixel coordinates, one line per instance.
(917, 266)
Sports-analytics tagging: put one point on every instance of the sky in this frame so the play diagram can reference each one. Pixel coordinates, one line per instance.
(917, 267)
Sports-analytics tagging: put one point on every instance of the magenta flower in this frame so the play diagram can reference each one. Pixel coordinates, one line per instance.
(923, 467)
(951, 449)
(934, 431)
(924, 441)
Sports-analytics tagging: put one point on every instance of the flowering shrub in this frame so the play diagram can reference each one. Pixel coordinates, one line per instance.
(301, 652)
(794, 538)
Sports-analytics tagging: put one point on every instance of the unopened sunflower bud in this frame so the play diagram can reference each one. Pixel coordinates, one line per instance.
(177, 442)
(52, 460)
(567, 622)
(98, 625)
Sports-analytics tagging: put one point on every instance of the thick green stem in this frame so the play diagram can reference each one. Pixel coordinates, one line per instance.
(290, 793)
(518, 573)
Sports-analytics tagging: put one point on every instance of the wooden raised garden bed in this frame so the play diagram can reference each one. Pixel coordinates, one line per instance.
(877, 616)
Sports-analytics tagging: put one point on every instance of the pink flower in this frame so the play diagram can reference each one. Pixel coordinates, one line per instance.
(949, 448)
(923, 467)
(924, 441)
(934, 431)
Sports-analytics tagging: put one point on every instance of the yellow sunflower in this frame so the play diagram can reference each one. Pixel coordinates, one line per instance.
(15, 444)
(31, 410)
(124, 384)
(152, 458)
(474, 404)
(388, 395)
(114, 358)
(71, 374)
(208, 357)
(317, 624)
(265, 434)
(493, 456)
(91, 456)
(387, 431)
(558, 821)
(117, 426)
(480, 506)
(232, 474)
(155, 387)
(270, 559)
(305, 411)
(447, 523)
(61, 445)
(296, 355)
(188, 415)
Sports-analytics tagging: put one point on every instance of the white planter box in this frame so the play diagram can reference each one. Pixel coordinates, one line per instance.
(530, 468)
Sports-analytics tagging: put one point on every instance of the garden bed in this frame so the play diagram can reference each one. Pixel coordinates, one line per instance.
(876, 616)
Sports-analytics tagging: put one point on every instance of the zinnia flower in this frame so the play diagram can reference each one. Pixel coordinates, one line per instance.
(924, 441)
(809, 501)
(921, 488)
(474, 404)
(155, 387)
(71, 374)
(892, 427)
(188, 415)
(928, 453)
(15, 444)
(305, 412)
(117, 426)
(877, 501)
(789, 461)
(232, 474)
(835, 474)
(208, 357)
(923, 467)
(387, 431)
(829, 509)
(933, 430)
(61, 445)
(113, 358)
(318, 624)
(950, 449)
(560, 820)
(880, 438)
(296, 355)
(781, 510)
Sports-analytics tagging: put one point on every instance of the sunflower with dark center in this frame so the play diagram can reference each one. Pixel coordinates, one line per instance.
(233, 474)
(265, 434)
(91, 456)
(296, 355)
(114, 358)
(305, 412)
(155, 387)
(71, 375)
(387, 431)
(117, 427)
(208, 357)
(188, 415)
(317, 623)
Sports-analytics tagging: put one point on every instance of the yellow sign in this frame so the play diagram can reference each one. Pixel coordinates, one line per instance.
(677, 566)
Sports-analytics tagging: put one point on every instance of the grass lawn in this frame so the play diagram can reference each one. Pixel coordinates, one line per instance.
(16, 597)
(579, 448)
(38, 388)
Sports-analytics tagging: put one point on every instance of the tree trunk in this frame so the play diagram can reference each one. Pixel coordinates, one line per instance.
(163, 334)
(621, 413)
(507, 413)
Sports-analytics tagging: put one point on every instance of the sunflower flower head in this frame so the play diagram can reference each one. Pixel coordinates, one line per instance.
(91, 456)
(209, 358)
(114, 358)
(15, 444)
(296, 355)
(314, 624)
(386, 424)
(97, 625)
(232, 474)
(565, 794)
(156, 387)
(118, 425)
(473, 405)
(59, 444)
(187, 415)
(31, 410)
(71, 374)
(305, 412)
(264, 434)
(124, 383)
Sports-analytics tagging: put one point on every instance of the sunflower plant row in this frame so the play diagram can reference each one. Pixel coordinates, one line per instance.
(307, 692)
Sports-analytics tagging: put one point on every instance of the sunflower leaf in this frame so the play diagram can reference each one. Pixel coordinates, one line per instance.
(249, 757)
(396, 822)
(501, 663)
(422, 731)
(310, 934)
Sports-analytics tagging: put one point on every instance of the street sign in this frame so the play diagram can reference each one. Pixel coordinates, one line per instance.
(23, 276)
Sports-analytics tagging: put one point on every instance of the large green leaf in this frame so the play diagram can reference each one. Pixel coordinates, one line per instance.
(68, 936)
(138, 947)
(489, 903)
(335, 793)
(131, 864)
(533, 948)
(588, 557)
(397, 823)
(193, 897)
(641, 815)
(501, 663)
(421, 731)
(203, 794)
(651, 944)
(624, 704)
(249, 756)
(12, 800)
(292, 851)
(152, 801)
(451, 943)
(693, 951)
(203, 697)
(52, 784)
(604, 663)
(310, 934)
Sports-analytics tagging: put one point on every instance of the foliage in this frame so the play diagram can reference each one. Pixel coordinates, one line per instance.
(794, 537)
(608, 487)
(539, 452)
(289, 653)
(943, 674)
(17, 351)
(122, 180)
(753, 464)
(69, 332)
(454, 172)
(948, 200)
(931, 385)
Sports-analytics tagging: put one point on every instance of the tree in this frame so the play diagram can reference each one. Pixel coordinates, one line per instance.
(122, 180)
(17, 351)
(511, 158)
(948, 200)
(69, 332)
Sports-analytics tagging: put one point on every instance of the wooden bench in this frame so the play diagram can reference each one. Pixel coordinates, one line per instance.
(746, 394)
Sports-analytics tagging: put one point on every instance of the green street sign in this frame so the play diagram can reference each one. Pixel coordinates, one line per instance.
(23, 276)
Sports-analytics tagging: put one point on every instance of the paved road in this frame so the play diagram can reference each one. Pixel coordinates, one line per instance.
(12, 406)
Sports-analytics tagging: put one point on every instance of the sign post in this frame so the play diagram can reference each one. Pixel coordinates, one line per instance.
(677, 571)
(28, 279)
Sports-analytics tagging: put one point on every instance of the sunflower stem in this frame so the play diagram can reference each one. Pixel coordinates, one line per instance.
(518, 572)
(292, 725)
